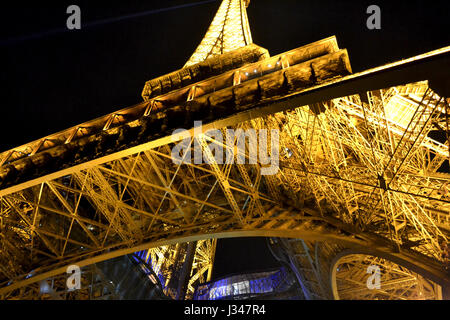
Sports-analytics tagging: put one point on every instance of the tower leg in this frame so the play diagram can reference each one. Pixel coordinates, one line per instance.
(185, 272)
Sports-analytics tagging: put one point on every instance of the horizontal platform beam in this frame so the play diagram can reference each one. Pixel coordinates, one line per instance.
(431, 66)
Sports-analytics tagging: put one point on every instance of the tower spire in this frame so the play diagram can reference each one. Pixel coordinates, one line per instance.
(228, 31)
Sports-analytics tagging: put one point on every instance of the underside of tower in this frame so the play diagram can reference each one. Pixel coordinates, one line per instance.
(352, 176)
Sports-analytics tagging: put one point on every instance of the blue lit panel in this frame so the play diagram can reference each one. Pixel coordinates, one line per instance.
(143, 254)
(246, 284)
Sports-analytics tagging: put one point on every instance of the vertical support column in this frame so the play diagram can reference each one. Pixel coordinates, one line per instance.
(186, 270)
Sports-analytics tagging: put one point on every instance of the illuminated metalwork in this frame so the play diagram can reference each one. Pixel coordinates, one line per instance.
(94, 286)
(126, 277)
(360, 167)
(229, 30)
(306, 260)
(166, 261)
(350, 279)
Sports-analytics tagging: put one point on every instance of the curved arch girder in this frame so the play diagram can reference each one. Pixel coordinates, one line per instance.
(415, 262)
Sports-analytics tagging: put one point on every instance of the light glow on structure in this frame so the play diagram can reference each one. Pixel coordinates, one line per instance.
(144, 256)
(241, 285)
(368, 161)
(167, 261)
(349, 281)
(230, 25)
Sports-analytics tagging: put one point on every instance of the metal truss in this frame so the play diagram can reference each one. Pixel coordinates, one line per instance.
(357, 169)
(373, 163)
(147, 198)
(350, 279)
(94, 286)
(229, 30)
(166, 261)
(310, 262)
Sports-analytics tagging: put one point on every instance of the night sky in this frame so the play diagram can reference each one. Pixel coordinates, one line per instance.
(53, 78)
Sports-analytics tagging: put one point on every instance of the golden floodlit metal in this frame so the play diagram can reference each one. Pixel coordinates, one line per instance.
(361, 179)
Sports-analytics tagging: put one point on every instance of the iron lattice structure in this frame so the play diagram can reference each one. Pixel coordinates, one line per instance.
(228, 31)
(399, 283)
(167, 262)
(360, 167)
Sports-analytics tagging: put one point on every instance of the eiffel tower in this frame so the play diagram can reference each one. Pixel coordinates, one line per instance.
(362, 180)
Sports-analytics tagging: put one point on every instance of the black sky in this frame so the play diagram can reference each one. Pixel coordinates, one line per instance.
(52, 78)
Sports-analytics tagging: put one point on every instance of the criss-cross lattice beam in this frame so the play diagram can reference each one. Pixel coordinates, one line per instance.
(229, 30)
(351, 280)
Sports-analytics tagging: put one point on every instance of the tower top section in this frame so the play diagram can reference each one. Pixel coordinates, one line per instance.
(228, 31)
